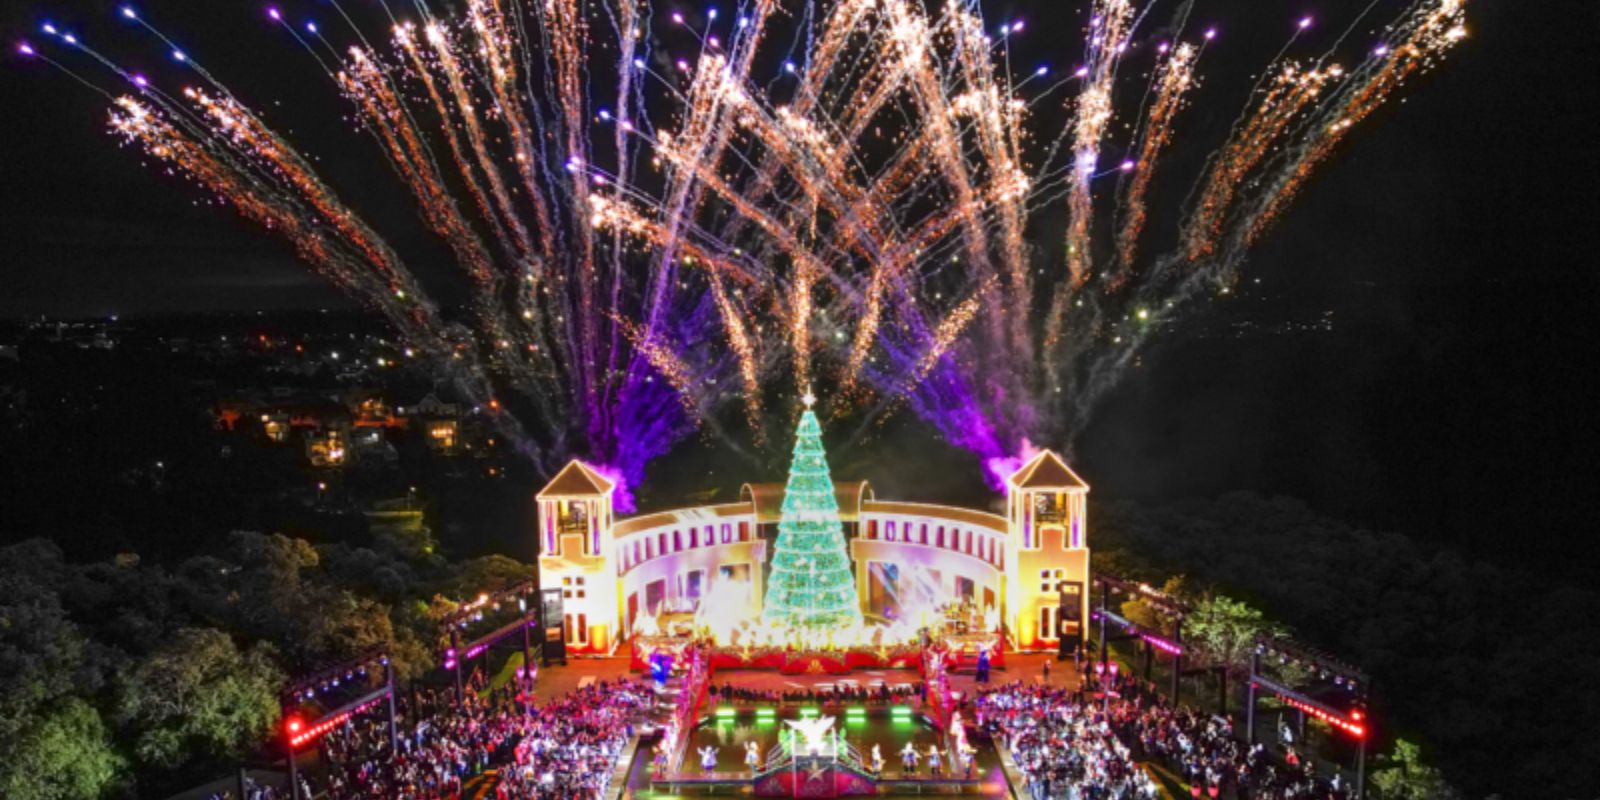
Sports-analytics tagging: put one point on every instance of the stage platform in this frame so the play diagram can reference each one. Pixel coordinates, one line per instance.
(890, 782)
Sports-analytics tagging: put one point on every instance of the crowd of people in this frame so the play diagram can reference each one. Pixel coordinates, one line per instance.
(1061, 744)
(571, 746)
(1069, 744)
(882, 694)
(562, 750)
(1072, 745)
(440, 745)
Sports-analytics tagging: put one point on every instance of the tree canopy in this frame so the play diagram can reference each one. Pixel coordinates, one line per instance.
(1488, 666)
(199, 694)
(121, 676)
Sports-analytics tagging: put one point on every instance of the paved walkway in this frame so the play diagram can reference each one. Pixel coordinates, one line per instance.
(1026, 667)
(556, 680)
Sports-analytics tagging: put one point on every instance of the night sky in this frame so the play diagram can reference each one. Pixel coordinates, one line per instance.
(1453, 241)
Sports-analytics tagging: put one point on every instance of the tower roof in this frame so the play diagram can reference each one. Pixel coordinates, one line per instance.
(1047, 471)
(576, 479)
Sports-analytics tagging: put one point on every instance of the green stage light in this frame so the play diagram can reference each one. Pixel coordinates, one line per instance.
(809, 712)
(766, 713)
(725, 712)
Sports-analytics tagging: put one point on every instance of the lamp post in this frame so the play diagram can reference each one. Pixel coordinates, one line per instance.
(1110, 684)
(1250, 697)
(394, 728)
(1177, 660)
(291, 729)
(455, 659)
(1106, 674)
(527, 657)
(1105, 600)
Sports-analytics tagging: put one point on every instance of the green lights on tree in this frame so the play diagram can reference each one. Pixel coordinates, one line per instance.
(811, 585)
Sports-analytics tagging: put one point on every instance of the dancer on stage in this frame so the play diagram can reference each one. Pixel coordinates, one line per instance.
(908, 758)
(752, 757)
(708, 759)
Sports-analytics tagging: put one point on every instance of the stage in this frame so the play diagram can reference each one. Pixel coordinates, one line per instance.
(840, 766)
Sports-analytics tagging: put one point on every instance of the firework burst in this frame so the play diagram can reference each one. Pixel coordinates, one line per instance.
(651, 234)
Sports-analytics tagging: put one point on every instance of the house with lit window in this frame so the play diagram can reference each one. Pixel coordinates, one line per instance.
(1028, 569)
(330, 447)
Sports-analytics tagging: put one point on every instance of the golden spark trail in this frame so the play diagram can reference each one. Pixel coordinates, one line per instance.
(1437, 31)
(1291, 93)
(739, 339)
(364, 80)
(1174, 80)
(666, 362)
(365, 83)
(404, 36)
(246, 130)
(1108, 36)
(708, 136)
(1108, 32)
(495, 51)
(137, 122)
(847, 200)
(815, 159)
(997, 121)
(910, 39)
(623, 219)
(945, 335)
(807, 268)
(843, 21)
(627, 44)
(566, 29)
(499, 212)
(505, 215)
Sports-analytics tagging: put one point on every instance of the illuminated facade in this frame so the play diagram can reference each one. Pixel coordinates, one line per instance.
(1019, 568)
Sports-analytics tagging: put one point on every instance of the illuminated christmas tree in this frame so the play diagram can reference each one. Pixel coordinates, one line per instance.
(811, 585)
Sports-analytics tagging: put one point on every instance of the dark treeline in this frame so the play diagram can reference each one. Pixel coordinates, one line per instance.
(1491, 669)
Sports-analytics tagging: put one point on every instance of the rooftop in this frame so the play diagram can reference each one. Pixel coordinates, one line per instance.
(576, 479)
(1047, 471)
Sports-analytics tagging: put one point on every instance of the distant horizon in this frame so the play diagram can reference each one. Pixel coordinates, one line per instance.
(177, 314)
